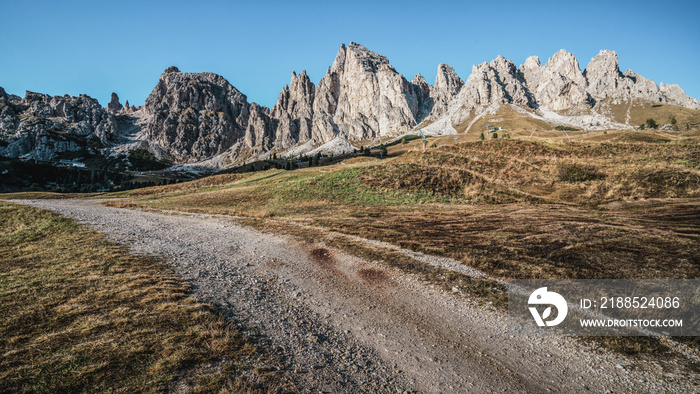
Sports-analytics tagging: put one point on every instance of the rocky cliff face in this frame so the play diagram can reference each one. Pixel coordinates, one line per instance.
(422, 92)
(294, 112)
(362, 97)
(497, 82)
(559, 84)
(447, 85)
(675, 95)
(194, 116)
(603, 76)
(40, 126)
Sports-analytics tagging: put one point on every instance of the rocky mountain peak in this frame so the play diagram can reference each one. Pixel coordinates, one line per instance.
(447, 85)
(447, 79)
(294, 111)
(566, 65)
(419, 80)
(37, 125)
(496, 82)
(503, 66)
(114, 105)
(603, 75)
(171, 69)
(362, 97)
(676, 95)
(365, 59)
(297, 97)
(422, 91)
(339, 62)
(194, 116)
(532, 62)
(559, 84)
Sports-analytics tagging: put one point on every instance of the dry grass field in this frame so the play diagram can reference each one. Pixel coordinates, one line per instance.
(612, 204)
(627, 206)
(82, 315)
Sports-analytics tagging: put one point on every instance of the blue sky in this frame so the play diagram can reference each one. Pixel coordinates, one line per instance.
(73, 47)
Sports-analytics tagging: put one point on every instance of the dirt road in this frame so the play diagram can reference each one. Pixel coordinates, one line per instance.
(348, 325)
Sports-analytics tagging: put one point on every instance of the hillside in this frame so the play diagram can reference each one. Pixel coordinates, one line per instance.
(194, 122)
(526, 208)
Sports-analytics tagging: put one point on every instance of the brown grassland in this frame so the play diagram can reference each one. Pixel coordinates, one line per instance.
(616, 204)
(82, 315)
(514, 208)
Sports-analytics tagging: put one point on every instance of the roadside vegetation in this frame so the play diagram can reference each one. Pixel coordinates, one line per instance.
(81, 314)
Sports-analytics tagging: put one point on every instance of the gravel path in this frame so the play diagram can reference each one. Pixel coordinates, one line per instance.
(348, 325)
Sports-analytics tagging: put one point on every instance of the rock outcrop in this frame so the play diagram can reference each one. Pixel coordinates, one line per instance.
(603, 76)
(114, 105)
(497, 82)
(559, 84)
(194, 116)
(40, 126)
(294, 112)
(606, 81)
(362, 97)
(422, 91)
(675, 95)
(447, 85)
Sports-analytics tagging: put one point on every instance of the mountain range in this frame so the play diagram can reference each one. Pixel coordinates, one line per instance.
(200, 119)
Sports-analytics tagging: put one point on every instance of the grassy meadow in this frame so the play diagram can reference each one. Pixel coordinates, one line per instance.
(619, 205)
(82, 315)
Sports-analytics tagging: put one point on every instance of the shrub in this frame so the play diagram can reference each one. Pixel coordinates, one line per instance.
(576, 173)
(651, 123)
(494, 135)
(481, 136)
(567, 128)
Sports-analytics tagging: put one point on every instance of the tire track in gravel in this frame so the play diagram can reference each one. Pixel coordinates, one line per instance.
(348, 325)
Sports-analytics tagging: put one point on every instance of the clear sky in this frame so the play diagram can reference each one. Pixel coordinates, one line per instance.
(97, 47)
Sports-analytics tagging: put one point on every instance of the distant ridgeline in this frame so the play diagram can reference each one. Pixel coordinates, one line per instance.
(200, 121)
